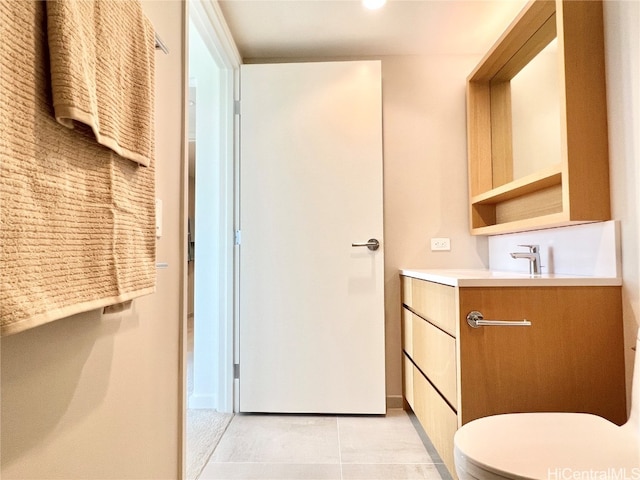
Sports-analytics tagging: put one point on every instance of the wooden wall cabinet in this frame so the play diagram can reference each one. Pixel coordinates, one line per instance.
(576, 190)
(569, 360)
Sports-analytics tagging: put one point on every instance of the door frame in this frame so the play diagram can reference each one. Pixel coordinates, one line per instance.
(210, 23)
(209, 20)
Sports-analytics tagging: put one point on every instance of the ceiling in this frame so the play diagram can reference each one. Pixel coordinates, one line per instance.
(343, 28)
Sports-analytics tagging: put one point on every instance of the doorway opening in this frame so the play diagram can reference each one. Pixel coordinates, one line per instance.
(209, 208)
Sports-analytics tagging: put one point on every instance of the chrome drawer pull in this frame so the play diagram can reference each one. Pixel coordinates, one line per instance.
(475, 319)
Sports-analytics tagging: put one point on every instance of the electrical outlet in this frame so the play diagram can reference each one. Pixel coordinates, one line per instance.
(440, 244)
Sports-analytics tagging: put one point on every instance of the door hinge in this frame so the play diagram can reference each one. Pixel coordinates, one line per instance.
(237, 237)
(236, 370)
(236, 107)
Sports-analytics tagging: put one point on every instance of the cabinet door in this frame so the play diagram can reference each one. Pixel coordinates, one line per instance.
(570, 359)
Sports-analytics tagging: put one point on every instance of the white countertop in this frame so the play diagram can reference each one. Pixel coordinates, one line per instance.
(489, 278)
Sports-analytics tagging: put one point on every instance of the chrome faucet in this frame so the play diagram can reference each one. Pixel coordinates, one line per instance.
(533, 255)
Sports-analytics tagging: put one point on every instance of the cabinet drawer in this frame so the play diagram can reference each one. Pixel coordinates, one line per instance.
(433, 301)
(434, 352)
(438, 420)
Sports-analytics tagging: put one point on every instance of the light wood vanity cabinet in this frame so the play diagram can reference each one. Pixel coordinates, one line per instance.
(570, 359)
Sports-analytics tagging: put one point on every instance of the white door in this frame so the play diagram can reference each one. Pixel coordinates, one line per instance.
(311, 304)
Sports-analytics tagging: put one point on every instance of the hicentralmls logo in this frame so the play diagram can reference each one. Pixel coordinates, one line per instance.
(607, 474)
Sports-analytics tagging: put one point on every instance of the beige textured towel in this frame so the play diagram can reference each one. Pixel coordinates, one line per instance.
(102, 71)
(77, 221)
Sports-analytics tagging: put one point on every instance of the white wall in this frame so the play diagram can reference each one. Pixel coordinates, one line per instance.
(425, 179)
(90, 397)
(535, 113)
(205, 75)
(622, 50)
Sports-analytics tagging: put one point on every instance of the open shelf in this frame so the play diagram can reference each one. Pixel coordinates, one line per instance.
(523, 186)
(575, 190)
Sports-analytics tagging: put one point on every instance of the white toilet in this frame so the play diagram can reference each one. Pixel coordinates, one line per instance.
(551, 446)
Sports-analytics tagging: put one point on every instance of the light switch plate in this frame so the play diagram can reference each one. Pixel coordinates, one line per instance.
(440, 244)
(158, 218)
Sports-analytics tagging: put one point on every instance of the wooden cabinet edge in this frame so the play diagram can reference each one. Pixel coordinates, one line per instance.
(585, 191)
(537, 223)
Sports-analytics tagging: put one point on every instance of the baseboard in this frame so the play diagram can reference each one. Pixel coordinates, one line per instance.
(395, 401)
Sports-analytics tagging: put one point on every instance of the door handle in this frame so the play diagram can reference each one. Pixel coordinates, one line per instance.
(372, 244)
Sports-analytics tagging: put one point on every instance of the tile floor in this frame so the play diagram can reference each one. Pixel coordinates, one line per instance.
(296, 447)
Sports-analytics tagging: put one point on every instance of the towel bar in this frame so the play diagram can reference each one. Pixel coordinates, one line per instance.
(160, 45)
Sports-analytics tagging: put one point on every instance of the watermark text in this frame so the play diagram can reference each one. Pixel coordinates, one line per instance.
(561, 473)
